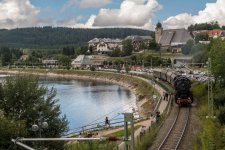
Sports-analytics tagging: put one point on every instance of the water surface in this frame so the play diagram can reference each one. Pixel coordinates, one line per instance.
(87, 102)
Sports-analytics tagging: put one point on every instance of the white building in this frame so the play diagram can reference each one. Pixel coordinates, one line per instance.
(104, 46)
(50, 63)
(85, 61)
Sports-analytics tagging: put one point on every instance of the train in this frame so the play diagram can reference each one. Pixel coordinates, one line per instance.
(181, 84)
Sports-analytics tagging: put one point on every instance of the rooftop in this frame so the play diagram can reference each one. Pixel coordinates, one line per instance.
(174, 37)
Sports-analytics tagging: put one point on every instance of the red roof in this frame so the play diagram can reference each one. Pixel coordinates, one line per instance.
(215, 32)
(211, 33)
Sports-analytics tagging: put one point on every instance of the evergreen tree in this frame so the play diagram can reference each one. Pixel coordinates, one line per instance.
(127, 47)
(23, 99)
(201, 37)
(187, 47)
(217, 54)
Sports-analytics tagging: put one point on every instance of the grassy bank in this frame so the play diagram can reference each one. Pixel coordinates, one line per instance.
(212, 133)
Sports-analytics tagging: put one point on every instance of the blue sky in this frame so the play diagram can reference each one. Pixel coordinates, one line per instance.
(174, 7)
(110, 13)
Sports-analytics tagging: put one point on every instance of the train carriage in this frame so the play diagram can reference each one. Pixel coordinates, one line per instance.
(168, 79)
(164, 75)
(180, 83)
(157, 74)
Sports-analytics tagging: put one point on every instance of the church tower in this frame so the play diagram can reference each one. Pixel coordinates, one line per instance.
(158, 32)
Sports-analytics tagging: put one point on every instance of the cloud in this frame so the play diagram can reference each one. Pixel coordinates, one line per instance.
(132, 13)
(74, 22)
(94, 3)
(17, 13)
(212, 12)
(85, 3)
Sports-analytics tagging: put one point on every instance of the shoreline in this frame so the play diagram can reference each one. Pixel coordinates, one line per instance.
(101, 77)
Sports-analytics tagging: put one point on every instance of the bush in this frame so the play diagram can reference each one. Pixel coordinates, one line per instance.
(92, 68)
(221, 116)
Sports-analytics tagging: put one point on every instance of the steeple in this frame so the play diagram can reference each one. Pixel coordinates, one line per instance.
(158, 25)
(158, 32)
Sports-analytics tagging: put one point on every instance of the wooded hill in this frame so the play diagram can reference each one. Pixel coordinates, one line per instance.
(49, 37)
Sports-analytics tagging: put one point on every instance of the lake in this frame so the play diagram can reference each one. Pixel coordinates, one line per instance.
(87, 102)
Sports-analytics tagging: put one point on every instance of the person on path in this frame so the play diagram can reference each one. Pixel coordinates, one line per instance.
(107, 122)
(142, 132)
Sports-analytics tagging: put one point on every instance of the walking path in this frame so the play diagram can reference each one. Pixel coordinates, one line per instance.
(147, 124)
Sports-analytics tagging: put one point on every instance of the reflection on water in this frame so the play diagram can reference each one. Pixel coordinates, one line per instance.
(86, 101)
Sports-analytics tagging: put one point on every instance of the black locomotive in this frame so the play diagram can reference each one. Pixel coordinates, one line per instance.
(180, 83)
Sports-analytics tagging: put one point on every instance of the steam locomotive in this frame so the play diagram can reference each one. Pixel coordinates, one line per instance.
(180, 83)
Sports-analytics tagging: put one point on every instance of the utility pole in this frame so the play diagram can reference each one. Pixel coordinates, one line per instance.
(210, 92)
(151, 62)
(128, 117)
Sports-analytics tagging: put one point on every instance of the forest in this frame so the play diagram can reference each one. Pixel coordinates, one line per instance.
(206, 26)
(58, 37)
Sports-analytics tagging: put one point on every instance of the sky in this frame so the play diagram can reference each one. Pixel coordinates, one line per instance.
(143, 14)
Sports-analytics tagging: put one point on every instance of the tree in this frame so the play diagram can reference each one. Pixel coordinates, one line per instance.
(92, 68)
(223, 27)
(10, 129)
(201, 37)
(154, 46)
(118, 67)
(204, 26)
(59, 37)
(81, 50)
(23, 99)
(221, 116)
(68, 51)
(187, 47)
(6, 56)
(127, 47)
(217, 54)
(200, 53)
(9, 56)
(127, 68)
(64, 61)
(116, 53)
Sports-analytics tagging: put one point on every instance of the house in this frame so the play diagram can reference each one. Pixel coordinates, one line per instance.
(104, 45)
(215, 33)
(140, 42)
(50, 63)
(172, 39)
(98, 60)
(86, 61)
(81, 61)
(107, 45)
(24, 57)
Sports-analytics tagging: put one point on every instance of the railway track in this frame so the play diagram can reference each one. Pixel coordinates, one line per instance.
(177, 130)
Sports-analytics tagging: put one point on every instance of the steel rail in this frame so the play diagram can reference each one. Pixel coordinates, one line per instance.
(172, 128)
(184, 129)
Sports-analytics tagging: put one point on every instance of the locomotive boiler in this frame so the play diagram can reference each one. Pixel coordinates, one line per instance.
(180, 83)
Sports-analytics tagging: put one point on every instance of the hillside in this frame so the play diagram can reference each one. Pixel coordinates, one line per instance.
(49, 37)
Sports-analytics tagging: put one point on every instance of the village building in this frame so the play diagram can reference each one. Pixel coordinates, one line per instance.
(50, 63)
(107, 45)
(171, 39)
(104, 45)
(86, 61)
(140, 42)
(215, 33)
(24, 57)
